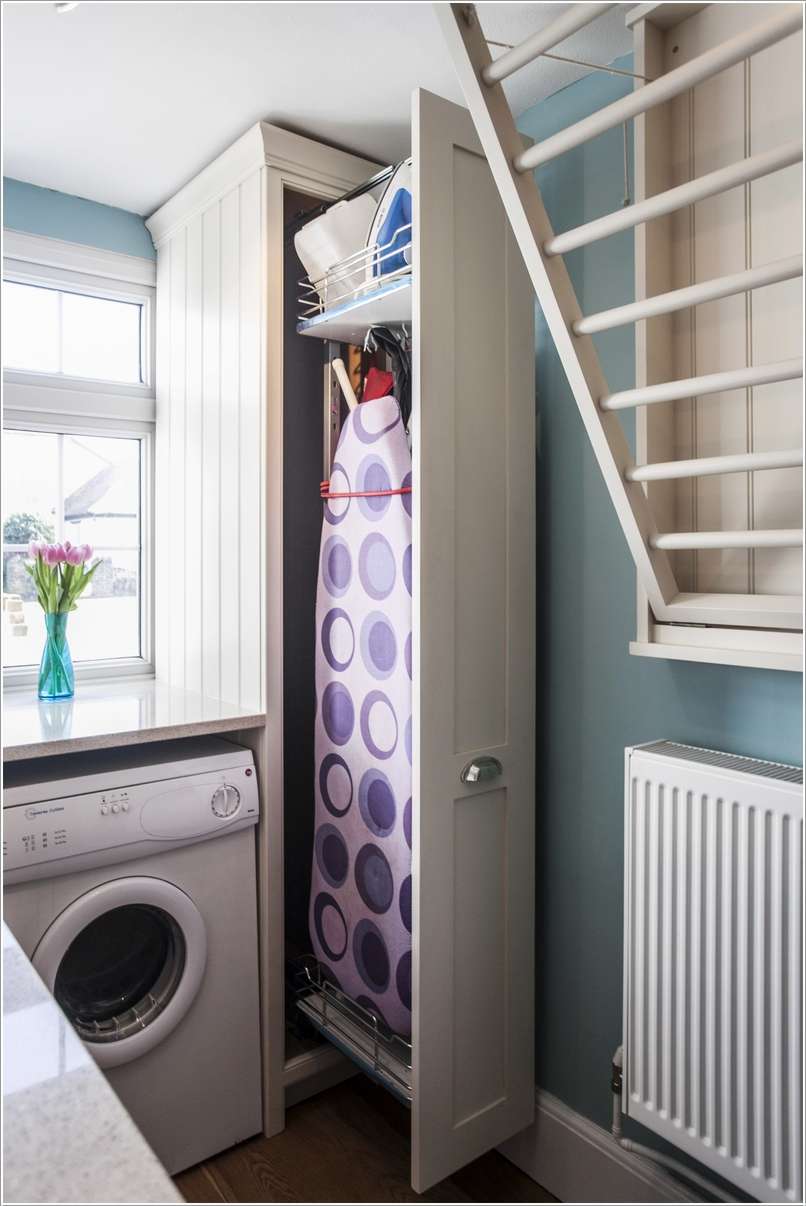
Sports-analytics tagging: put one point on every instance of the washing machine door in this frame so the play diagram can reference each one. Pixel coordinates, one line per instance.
(125, 962)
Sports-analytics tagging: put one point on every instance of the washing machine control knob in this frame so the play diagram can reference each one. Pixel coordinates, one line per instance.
(226, 800)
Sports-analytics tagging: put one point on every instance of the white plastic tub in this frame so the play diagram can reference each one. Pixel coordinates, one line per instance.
(340, 232)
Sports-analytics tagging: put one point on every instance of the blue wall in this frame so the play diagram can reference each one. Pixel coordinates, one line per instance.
(44, 211)
(593, 696)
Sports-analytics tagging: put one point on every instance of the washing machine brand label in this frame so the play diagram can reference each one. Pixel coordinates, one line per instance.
(43, 810)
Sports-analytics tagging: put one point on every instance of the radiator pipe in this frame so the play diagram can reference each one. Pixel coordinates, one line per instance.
(648, 1153)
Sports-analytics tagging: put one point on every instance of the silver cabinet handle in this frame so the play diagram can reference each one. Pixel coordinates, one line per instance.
(480, 770)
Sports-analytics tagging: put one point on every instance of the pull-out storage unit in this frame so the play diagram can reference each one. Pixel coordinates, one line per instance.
(241, 444)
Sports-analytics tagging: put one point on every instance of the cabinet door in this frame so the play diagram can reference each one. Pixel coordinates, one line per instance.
(474, 639)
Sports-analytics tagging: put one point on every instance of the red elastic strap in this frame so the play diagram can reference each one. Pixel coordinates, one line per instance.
(324, 491)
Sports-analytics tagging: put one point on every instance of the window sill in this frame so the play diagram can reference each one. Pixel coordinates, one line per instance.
(109, 671)
(106, 714)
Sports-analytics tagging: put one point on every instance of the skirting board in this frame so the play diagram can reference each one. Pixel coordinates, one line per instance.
(578, 1161)
(314, 1071)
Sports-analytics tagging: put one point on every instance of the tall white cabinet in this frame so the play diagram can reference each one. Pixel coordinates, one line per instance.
(221, 399)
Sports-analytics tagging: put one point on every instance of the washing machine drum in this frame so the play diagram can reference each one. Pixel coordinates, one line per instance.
(125, 961)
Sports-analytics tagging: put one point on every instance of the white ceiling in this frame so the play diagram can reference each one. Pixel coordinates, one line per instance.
(125, 102)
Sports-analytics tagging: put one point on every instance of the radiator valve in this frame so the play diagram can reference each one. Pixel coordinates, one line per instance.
(616, 1070)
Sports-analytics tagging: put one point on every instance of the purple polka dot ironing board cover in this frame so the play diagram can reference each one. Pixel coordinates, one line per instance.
(360, 906)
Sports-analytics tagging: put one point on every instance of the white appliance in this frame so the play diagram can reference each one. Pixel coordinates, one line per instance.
(130, 884)
(712, 961)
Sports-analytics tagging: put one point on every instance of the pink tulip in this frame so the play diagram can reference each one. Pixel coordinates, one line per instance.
(73, 555)
(67, 546)
(34, 549)
(86, 551)
(53, 554)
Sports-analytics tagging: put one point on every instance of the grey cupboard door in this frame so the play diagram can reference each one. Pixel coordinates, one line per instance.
(473, 655)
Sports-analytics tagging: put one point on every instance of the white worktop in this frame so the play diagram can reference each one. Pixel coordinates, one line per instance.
(104, 714)
(66, 1136)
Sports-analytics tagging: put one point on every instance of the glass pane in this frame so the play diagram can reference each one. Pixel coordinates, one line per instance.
(99, 505)
(30, 486)
(30, 328)
(100, 338)
(102, 491)
(107, 621)
(105, 625)
(52, 331)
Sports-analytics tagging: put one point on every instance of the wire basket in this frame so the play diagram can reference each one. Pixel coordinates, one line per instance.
(356, 275)
(358, 1032)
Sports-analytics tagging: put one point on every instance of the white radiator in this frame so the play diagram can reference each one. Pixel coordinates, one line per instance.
(712, 961)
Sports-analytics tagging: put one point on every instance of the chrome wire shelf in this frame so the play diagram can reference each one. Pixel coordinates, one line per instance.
(355, 276)
(357, 1032)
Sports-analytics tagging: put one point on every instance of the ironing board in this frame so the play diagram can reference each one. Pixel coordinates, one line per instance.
(360, 905)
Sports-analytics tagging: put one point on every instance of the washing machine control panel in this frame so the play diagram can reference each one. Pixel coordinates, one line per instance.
(226, 800)
(113, 802)
(99, 827)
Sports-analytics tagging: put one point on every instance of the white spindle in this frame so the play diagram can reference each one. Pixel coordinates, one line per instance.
(692, 295)
(574, 18)
(711, 383)
(741, 172)
(771, 538)
(743, 462)
(720, 57)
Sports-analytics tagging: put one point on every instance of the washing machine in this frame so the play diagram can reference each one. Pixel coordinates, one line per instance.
(130, 883)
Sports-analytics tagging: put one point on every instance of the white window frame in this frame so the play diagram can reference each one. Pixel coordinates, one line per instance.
(35, 401)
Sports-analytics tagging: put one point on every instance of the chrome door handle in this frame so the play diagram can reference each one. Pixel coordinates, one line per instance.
(480, 770)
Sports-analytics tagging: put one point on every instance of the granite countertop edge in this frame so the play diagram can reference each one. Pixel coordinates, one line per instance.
(100, 741)
(67, 1137)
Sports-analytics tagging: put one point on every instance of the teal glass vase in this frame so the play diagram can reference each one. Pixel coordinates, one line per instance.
(56, 676)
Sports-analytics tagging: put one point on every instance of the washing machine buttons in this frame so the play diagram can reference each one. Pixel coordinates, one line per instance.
(226, 800)
(114, 804)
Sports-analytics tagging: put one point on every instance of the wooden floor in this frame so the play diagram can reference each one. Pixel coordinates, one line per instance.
(349, 1144)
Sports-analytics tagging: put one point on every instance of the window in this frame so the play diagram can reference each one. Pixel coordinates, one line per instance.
(77, 455)
(85, 489)
(51, 331)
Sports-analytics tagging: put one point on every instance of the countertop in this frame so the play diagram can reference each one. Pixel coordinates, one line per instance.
(105, 714)
(67, 1138)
